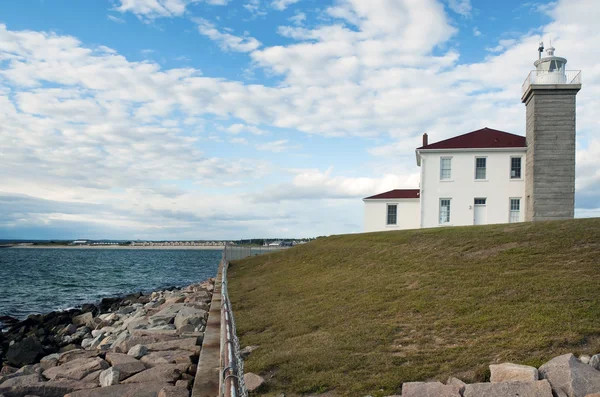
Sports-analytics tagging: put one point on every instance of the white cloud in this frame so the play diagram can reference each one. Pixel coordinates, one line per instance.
(279, 146)
(226, 41)
(298, 18)
(239, 128)
(115, 19)
(462, 7)
(283, 4)
(151, 9)
(476, 32)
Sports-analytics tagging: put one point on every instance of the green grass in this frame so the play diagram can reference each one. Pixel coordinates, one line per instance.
(361, 314)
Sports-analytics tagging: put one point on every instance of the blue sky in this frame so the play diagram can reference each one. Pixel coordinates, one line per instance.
(183, 119)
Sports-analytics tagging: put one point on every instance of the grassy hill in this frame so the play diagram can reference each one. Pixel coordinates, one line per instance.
(360, 314)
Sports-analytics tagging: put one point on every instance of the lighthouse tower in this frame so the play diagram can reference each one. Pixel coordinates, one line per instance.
(549, 95)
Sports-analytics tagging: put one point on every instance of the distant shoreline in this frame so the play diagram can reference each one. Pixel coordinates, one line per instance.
(117, 247)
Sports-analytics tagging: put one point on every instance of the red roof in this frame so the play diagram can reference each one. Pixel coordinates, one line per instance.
(397, 194)
(480, 139)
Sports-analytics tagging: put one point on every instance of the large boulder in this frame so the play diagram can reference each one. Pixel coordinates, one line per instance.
(75, 355)
(50, 361)
(22, 380)
(570, 376)
(595, 361)
(46, 389)
(86, 319)
(138, 351)
(167, 373)
(168, 357)
(190, 315)
(429, 389)
(150, 389)
(165, 315)
(540, 388)
(76, 369)
(173, 391)
(508, 372)
(126, 364)
(176, 344)
(27, 351)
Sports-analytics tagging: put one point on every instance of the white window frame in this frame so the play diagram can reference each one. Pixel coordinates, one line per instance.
(387, 214)
(510, 169)
(486, 166)
(511, 211)
(449, 178)
(449, 211)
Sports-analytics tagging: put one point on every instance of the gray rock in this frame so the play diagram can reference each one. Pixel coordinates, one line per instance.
(127, 365)
(150, 389)
(428, 389)
(459, 384)
(509, 372)
(584, 358)
(87, 342)
(190, 315)
(570, 376)
(253, 381)
(96, 341)
(162, 327)
(74, 355)
(109, 377)
(138, 351)
(540, 388)
(27, 351)
(29, 370)
(137, 323)
(167, 357)
(120, 339)
(97, 332)
(173, 391)
(246, 351)
(45, 389)
(595, 361)
(76, 369)
(167, 314)
(176, 344)
(86, 319)
(49, 361)
(126, 310)
(22, 380)
(167, 373)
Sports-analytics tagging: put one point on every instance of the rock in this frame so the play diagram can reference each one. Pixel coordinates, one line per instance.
(174, 391)
(138, 351)
(94, 377)
(76, 369)
(137, 323)
(166, 373)
(123, 336)
(45, 389)
(166, 314)
(27, 351)
(162, 327)
(50, 361)
(96, 341)
(97, 332)
(167, 357)
(540, 388)
(187, 383)
(190, 315)
(7, 370)
(109, 377)
(427, 389)
(508, 372)
(74, 355)
(68, 348)
(595, 361)
(584, 358)
(253, 381)
(29, 370)
(86, 319)
(22, 380)
(246, 351)
(150, 389)
(176, 344)
(570, 376)
(87, 342)
(126, 364)
(593, 395)
(126, 310)
(141, 339)
(457, 383)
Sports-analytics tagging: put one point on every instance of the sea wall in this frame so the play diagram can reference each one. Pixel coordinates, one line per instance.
(147, 343)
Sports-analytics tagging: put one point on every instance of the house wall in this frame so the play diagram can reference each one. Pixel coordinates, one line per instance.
(376, 214)
(462, 188)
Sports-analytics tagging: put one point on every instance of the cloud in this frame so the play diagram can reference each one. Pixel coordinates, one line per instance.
(476, 32)
(461, 7)
(279, 146)
(298, 18)
(227, 41)
(115, 19)
(283, 4)
(152, 9)
(239, 128)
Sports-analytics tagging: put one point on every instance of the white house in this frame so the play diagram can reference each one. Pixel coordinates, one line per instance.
(490, 176)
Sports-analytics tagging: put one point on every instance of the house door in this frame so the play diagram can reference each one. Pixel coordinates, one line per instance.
(480, 212)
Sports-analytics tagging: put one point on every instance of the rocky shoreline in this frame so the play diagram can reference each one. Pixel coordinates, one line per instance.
(149, 344)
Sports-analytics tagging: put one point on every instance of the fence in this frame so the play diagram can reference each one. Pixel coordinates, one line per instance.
(232, 364)
(547, 77)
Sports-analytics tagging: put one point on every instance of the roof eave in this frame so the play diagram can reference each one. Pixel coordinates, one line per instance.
(490, 149)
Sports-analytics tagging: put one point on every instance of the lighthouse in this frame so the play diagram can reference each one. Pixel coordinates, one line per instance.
(549, 94)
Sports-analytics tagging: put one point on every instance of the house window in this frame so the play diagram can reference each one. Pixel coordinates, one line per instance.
(515, 168)
(445, 211)
(515, 210)
(480, 167)
(480, 201)
(445, 168)
(392, 214)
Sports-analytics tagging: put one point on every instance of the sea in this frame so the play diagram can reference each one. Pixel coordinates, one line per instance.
(34, 281)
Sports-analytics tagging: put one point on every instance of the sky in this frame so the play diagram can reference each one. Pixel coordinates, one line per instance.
(230, 119)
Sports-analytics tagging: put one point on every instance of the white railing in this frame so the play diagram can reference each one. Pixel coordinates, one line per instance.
(546, 77)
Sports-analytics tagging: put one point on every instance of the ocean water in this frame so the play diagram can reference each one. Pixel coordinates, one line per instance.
(43, 280)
